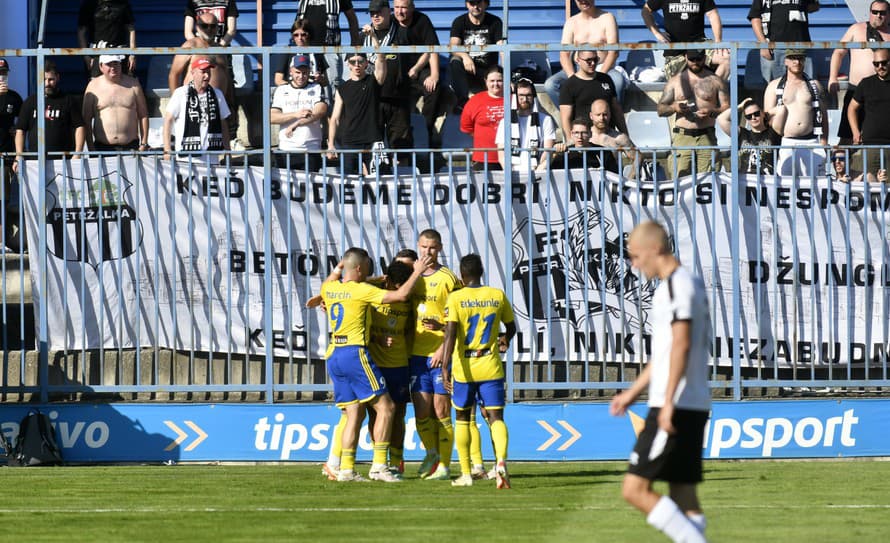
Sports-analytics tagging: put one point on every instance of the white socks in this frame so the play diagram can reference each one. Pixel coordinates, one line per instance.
(699, 520)
(668, 518)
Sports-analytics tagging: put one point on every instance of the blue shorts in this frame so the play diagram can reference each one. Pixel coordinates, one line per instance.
(355, 376)
(424, 378)
(397, 383)
(491, 394)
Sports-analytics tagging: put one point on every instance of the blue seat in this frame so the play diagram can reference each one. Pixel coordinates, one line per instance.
(753, 77)
(647, 129)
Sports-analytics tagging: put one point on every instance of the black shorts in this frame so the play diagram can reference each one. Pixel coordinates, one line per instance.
(681, 459)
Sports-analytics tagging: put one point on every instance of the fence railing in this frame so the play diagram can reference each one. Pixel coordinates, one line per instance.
(184, 278)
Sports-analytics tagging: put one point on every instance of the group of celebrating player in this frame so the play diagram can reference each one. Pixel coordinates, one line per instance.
(422, 335)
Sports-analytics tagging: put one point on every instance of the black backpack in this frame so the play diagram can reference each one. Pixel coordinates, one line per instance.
(36, 443)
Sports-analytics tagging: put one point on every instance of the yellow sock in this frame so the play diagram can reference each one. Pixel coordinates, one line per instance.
(500, 437)
(446, 441)
(336, 442)
(463, 436)
(380, 450)
(396, 456)
(475, 441)
(428, 430)
(347, 460)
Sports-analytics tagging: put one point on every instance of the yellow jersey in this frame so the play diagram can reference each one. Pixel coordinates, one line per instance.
(428, 298)
(347, 305)
(478, 312)
(390, 320)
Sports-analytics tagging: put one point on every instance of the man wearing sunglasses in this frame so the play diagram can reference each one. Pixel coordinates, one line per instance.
(225, 12)
(874, 30)
(684, 20)
(754, 157)
(583, 88)
(355, 122)
(695, 96)
(590, 26)
(805, 130)
(873, 97)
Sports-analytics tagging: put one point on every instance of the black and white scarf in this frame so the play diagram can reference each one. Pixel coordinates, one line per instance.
(534, 129)
(816, 103)
(872, 34)
(195, 116)
(332, 22)
(387, 40)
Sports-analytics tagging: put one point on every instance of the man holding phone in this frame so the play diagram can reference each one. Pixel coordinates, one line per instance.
(696, 96)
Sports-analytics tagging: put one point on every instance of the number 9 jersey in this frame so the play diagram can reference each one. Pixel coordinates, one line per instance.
(478, 312)
(347, 306)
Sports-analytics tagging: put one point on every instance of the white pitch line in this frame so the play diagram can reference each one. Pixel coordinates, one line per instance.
(112, 510)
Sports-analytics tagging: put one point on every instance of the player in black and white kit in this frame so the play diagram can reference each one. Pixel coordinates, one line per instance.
(670, 446)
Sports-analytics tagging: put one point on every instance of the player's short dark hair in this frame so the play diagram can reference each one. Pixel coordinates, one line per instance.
(398, 272)
(582, 120)
(50, 66)
(432, 234)
(471, 266)
(407, 253)
(756, 102)
(356, 255)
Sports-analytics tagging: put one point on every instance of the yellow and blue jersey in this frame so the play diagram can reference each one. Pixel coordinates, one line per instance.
(429, 297)
(390, 320)
(347, 306)
(478, 312)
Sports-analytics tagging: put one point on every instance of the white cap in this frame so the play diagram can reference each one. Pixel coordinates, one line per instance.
(107, 59)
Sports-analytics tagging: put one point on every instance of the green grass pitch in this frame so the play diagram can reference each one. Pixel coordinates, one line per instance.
(787, 501)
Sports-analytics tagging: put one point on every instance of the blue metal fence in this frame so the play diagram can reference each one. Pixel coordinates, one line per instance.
(552, 240)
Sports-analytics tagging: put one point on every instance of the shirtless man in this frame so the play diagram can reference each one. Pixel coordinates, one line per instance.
(805, 132)
(603, 134)
(205, 37)
(591, 26)
(874, 30)
(696, 96)
(116, 104)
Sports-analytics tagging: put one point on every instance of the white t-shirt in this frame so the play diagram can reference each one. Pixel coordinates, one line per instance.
(681, 297)
(290, 99)
(177, 107)
(547, 132)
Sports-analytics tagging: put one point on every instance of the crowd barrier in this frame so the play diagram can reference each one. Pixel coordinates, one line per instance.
(189, 276)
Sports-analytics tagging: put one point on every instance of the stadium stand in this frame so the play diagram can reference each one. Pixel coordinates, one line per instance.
(159, 24)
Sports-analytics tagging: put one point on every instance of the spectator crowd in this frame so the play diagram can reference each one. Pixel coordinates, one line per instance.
(329, 107)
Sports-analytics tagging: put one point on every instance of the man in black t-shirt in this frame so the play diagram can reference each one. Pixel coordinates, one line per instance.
(584, 87)
(873, 95)
(753, 155)
(422, 69)
(781, 21)
(64, 124)
(395, 104)
(476, 27)
(684, 21)
(10, 105)
(106, 23)
(355, 122)
(324, 29)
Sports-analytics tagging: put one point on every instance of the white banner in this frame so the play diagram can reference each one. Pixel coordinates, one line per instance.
(141, 255)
